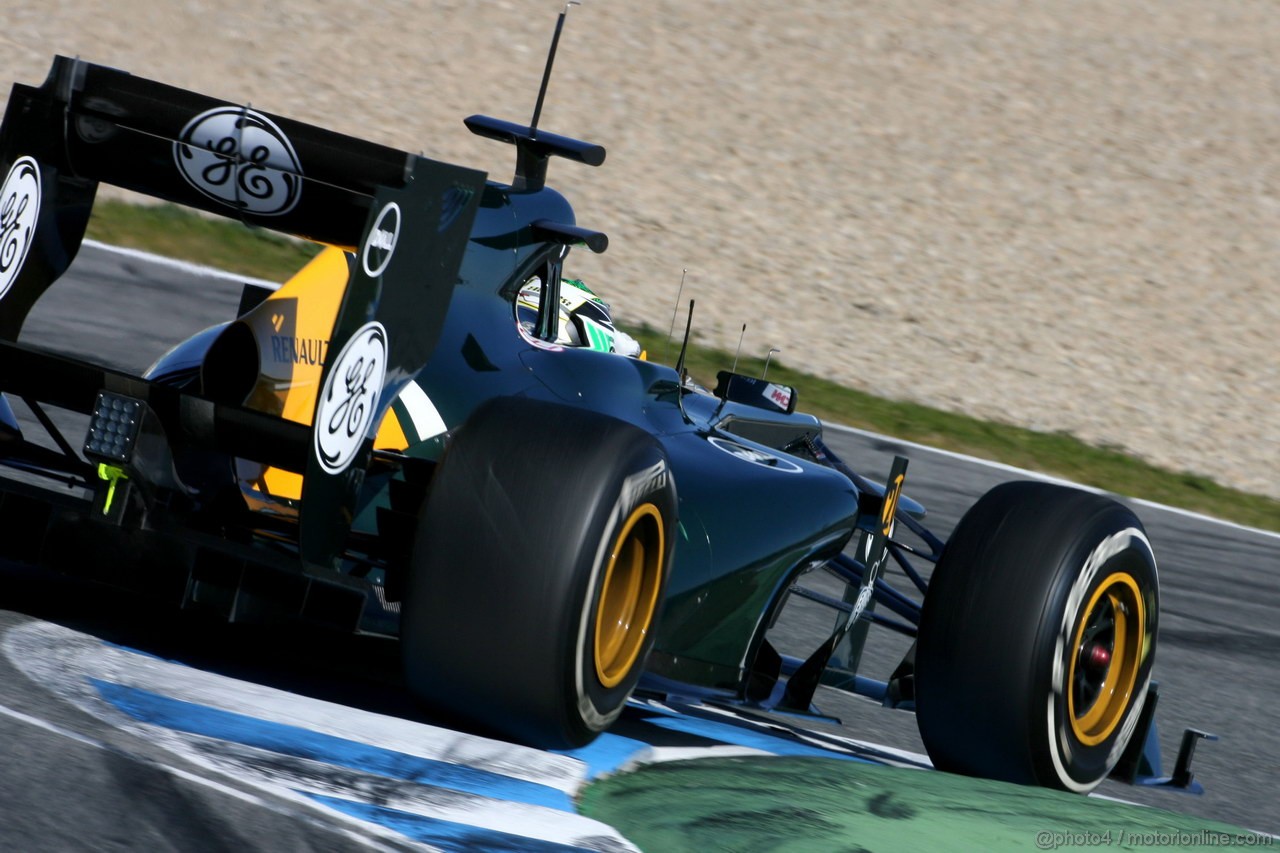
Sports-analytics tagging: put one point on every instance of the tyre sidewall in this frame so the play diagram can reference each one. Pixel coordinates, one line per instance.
(644, 478)
(1115, 543)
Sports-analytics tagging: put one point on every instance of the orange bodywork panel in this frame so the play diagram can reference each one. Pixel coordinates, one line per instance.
(292, 328)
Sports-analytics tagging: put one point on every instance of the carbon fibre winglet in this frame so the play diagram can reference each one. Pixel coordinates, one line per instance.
(874, 552)
(1141, 765)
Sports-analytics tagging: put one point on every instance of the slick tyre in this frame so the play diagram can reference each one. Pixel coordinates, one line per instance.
(538, 571)
(1037, 638)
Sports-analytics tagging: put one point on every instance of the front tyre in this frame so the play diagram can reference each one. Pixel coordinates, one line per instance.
(1037, 638)
(538, 571)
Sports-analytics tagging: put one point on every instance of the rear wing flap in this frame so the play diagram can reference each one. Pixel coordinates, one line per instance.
(407, 218)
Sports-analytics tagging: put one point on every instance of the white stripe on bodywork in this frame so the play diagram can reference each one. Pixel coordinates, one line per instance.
(422, 412)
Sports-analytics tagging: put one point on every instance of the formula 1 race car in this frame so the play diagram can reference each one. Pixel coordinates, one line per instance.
(394, 442)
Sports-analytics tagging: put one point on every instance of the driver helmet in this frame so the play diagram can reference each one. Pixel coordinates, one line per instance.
(585, 320)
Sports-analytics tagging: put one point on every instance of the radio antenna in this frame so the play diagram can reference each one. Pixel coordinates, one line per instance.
(688, 327)
(666, 349)
(546, 72)
(738, 352)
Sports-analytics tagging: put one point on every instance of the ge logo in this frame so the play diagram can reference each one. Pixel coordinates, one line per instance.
(349, 398)
(755, 457)
(19, 211)
(240, 158)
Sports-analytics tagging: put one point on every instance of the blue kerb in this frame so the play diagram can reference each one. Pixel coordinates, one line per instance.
(176, 714)
(444, 834)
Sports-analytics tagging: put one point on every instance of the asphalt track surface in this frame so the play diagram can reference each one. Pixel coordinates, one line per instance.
(72, 781)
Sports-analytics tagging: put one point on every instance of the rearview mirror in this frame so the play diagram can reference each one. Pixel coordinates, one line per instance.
(758, 393)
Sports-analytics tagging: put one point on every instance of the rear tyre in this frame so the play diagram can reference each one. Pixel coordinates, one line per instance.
(538, 571)
(1037, 638)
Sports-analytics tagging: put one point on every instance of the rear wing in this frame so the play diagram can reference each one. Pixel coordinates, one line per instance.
(88, 124)
(406, 217)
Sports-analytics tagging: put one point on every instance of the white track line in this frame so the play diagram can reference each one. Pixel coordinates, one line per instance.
(1023, 472)
(183, 266)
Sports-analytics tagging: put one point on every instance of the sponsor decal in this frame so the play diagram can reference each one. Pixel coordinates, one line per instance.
(350, 398)
(754, 456)
(240, 158)
(779, 395)
(19, 210)
(864, 598)
(889, 508)
(286, 349)
(642, 484)
(381, 242)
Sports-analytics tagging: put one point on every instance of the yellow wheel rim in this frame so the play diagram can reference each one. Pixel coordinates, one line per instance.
(629, 594)
(1105, 659)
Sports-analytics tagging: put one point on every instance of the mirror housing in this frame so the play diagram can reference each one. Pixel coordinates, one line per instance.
(757, 393)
